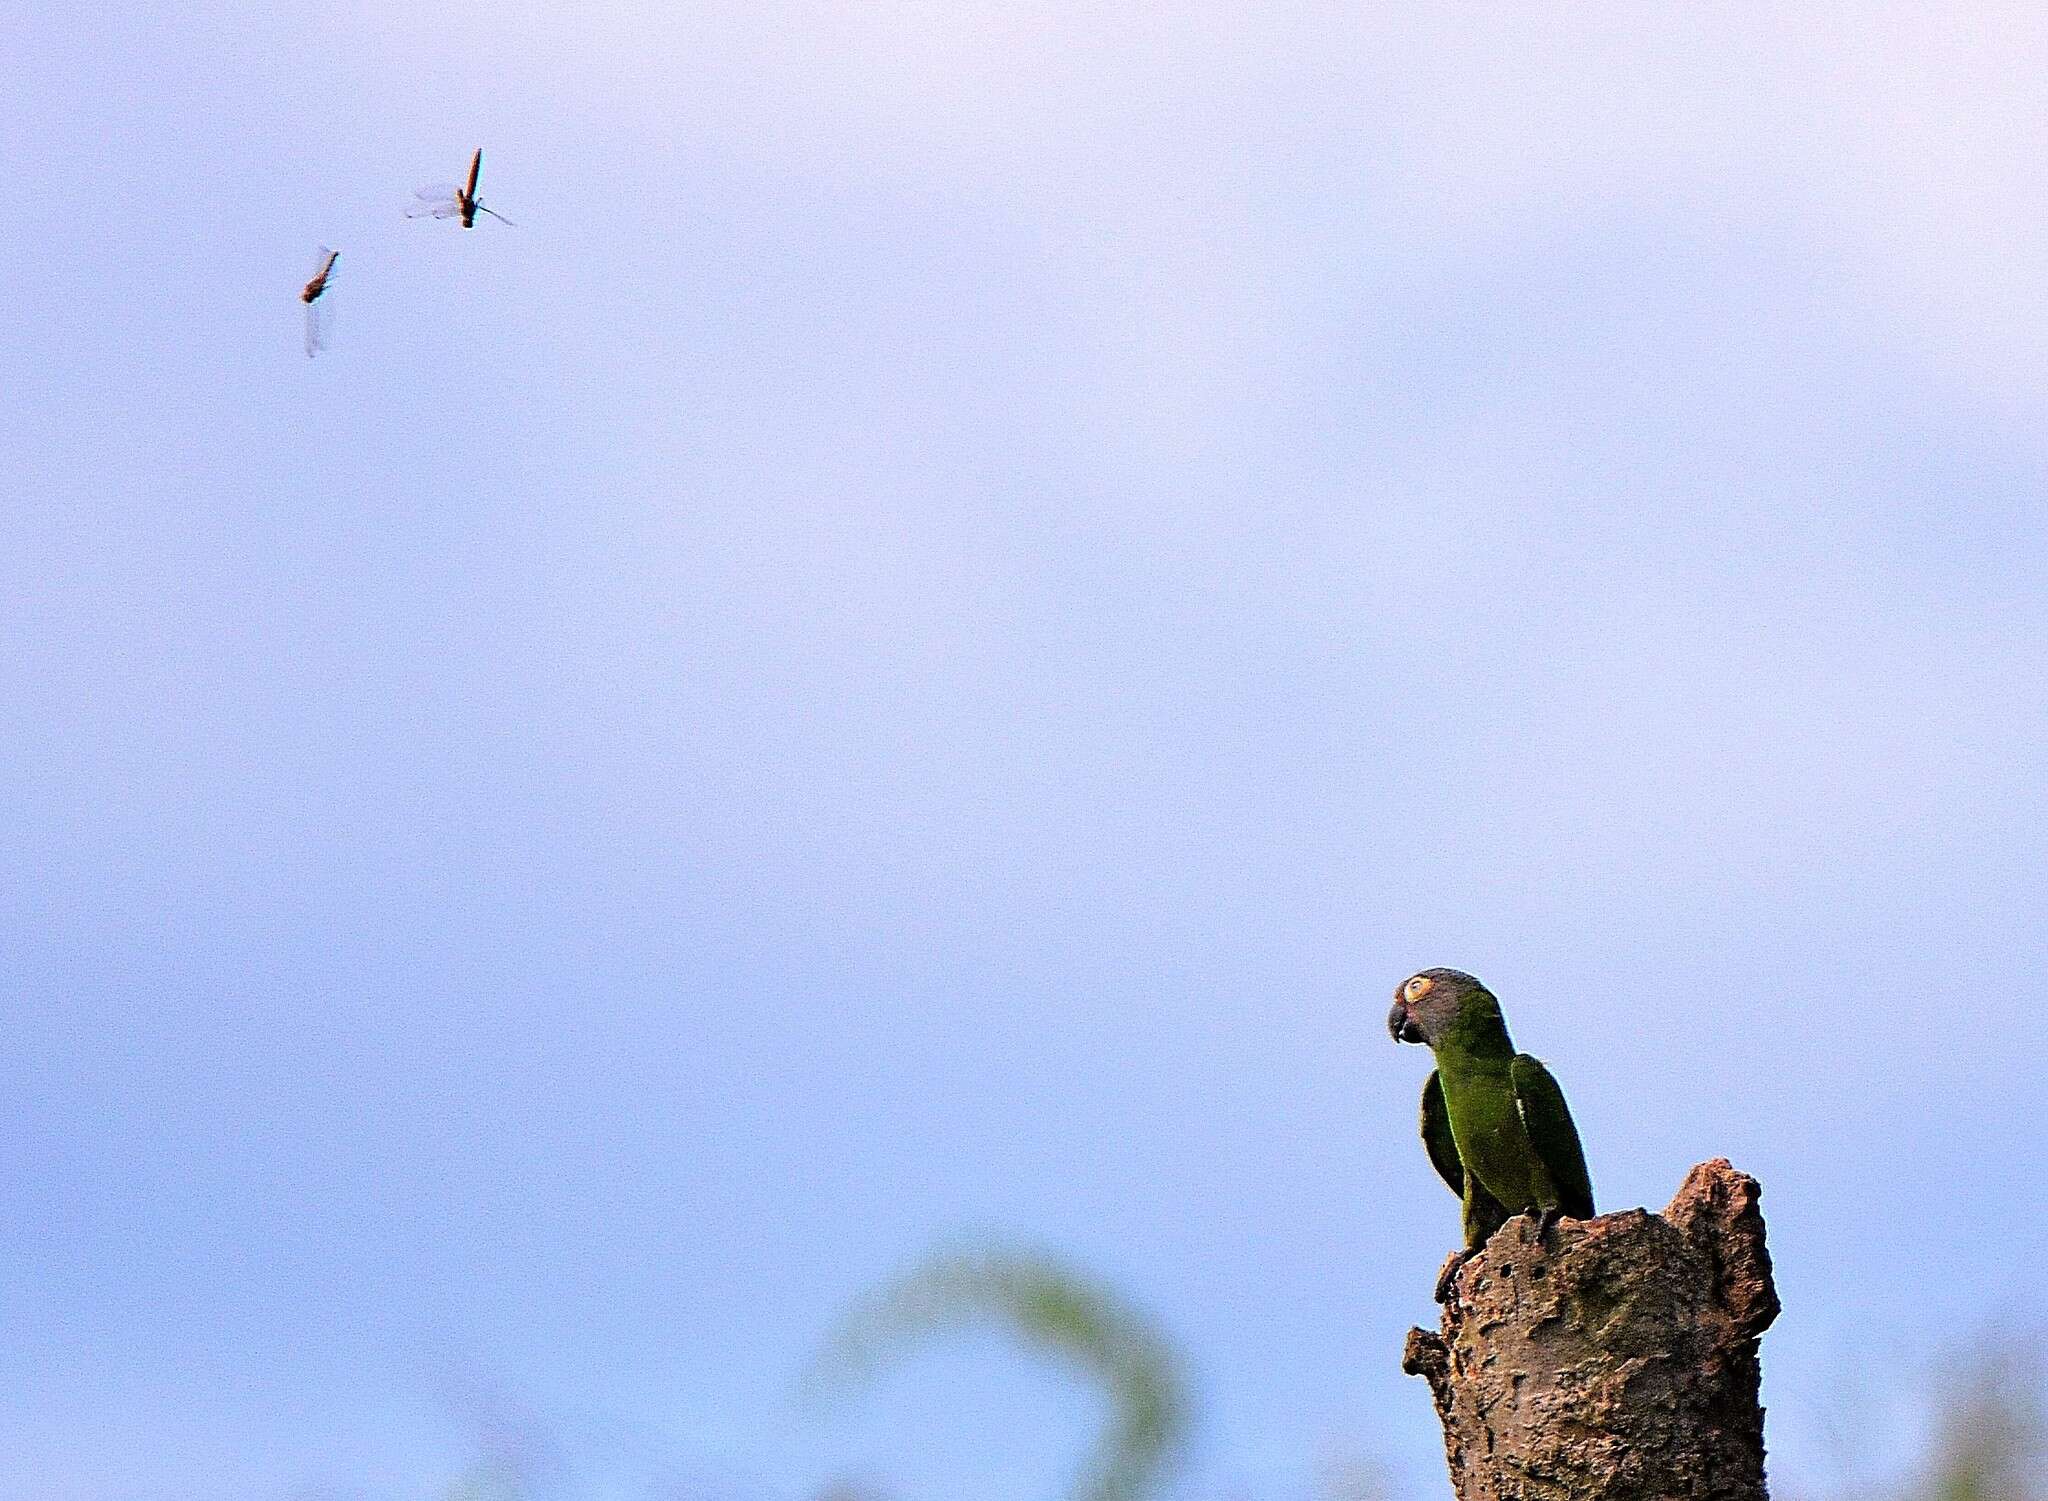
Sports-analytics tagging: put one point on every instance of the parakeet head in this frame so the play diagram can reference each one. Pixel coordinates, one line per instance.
(1426, 1003)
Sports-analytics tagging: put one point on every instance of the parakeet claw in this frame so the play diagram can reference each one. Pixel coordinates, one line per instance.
(1448, 1277)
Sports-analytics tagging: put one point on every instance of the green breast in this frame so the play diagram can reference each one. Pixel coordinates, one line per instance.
(1480, 1100)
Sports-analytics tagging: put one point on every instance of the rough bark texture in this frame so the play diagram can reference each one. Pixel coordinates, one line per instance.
(1618, 1365)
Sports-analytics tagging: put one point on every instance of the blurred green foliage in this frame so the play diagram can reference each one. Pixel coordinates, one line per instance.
(1987, 1432)
(1048, 1307)
(1989, 1442)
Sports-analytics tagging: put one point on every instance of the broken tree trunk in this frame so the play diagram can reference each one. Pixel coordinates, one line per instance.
(1619, 1365)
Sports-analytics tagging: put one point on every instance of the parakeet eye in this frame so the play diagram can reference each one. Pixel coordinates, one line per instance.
(1418, 987)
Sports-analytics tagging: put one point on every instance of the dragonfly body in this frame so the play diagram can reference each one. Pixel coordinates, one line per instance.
(319, 282)
(466, 198)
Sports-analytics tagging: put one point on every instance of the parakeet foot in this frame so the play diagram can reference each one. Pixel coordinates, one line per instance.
(1546, 1221)
(1448, 1277)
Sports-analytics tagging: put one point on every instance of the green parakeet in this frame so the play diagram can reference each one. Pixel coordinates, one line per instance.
(1493, 1120)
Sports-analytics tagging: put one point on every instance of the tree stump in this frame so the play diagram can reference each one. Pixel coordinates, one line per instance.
(1620, 1364)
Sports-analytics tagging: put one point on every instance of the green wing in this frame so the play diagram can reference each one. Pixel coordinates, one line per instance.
(1436, 1136)
(1548, 1120)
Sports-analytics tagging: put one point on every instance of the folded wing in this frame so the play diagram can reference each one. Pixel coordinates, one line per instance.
(1548, 1120)
(1436, 1136)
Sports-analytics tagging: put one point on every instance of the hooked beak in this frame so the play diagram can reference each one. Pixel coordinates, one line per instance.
(1401, 1026)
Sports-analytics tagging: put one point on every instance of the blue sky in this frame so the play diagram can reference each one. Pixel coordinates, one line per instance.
(917, 651)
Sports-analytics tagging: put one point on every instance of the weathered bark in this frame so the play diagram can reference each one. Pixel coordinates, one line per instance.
(1618, 1365)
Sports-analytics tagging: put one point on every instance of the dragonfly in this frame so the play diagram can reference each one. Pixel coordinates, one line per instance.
(316, 317)
(444, 200)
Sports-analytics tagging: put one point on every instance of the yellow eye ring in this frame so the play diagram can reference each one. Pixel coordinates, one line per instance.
(1418, 987)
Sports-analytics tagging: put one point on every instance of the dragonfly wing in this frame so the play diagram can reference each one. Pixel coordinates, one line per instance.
(436, 202)
(316, 328)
